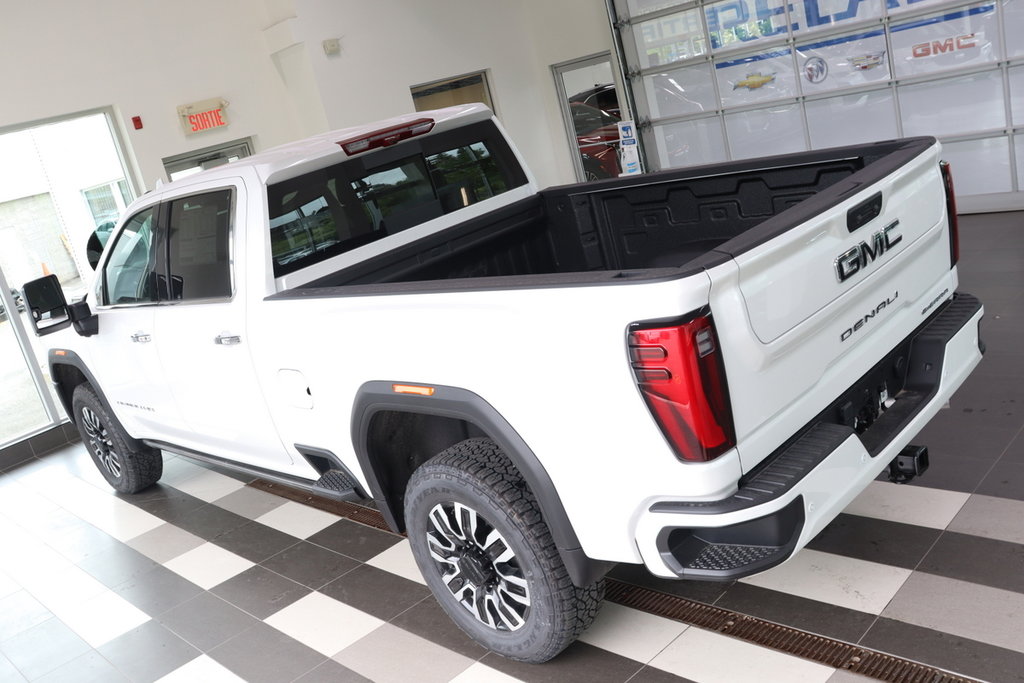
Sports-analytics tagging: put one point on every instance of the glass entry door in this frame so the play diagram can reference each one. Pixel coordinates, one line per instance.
(59, 182)
(591, 109)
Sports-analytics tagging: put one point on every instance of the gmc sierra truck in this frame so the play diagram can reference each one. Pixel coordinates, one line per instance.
(693, 370)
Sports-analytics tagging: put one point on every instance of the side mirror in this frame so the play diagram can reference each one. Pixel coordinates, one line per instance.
(94, 249)
(46, 304)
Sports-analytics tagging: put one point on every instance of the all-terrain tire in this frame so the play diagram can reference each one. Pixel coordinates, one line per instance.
(484, 549)
(127, 465)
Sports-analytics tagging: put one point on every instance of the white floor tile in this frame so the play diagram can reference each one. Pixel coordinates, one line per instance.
(323, 623)
(208, 485)
(68, 586)
(834, 579)
(481, 673)
(631, 633)
(398, 559)
(297, 519)
(713, 658)
(202, 669)
(165, 542)
(918, 505)
(208, 565)
(120, 519)
(102, 618)
(8, 586)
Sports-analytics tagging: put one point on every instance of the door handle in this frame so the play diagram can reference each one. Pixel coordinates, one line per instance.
(227, 339)
(141, 338)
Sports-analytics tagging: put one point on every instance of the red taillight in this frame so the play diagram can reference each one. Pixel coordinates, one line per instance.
(387, 136)
(679, 372)
(954, 224)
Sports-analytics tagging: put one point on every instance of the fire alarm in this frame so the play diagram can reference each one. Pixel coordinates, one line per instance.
(137, 122)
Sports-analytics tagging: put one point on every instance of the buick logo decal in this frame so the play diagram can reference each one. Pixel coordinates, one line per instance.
(815, 69)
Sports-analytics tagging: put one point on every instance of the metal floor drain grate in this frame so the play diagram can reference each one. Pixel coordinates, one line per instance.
(827, 651)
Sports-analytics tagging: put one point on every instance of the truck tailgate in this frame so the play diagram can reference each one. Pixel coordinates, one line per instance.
(863, 265)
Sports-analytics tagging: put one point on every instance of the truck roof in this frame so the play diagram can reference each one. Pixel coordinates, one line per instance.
(324, 149)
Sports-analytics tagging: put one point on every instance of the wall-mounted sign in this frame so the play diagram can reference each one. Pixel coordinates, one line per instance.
(201, 116)
(629, 154)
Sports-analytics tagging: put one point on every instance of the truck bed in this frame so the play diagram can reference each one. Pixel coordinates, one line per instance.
(682, 220)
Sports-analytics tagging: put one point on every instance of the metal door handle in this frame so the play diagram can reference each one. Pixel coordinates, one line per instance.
(227, 339)
(141, 338)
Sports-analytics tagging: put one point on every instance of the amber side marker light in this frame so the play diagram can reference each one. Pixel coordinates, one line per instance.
(412, 389)
(60, 353)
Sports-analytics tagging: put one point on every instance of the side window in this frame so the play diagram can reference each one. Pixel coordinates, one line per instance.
(199, 229)
(129, 277)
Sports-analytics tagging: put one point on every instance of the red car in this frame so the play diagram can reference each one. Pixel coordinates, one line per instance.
(597, 136)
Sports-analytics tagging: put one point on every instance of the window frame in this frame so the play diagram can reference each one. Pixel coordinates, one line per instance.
(161, 238)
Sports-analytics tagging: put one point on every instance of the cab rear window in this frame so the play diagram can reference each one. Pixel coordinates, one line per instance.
(330, 211)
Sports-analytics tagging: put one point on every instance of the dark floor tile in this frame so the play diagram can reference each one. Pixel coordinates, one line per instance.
(427, 620)
(946, 651)
(262, 654)
(48, 441)
(148, 652)
(209, 521)
(1015, 452)
(260, 592)
(952, 434)
(117, 565)
(377, 592)
(15, 454)
(950, 472)
(332, 672)
(206, 621)
(821, 618)
(977, 560)
(1005, 480)
(311, 565)
(355, 540)
(255, 542)
(579, 663)
(876, 540)
(701, 591)
(167, 503)
(157, 590)
(43, 648)
(91, 667)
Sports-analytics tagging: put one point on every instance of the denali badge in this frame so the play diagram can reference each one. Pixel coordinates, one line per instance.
(852, 260)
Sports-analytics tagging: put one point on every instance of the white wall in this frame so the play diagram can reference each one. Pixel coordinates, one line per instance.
(145, 58)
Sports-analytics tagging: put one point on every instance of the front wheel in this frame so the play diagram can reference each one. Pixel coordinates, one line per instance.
(479, 539)
(127, 467)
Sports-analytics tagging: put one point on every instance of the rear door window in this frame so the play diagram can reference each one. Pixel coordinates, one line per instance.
(199, 230)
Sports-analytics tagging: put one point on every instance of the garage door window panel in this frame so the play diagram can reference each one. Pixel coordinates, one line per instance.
(942, 107)
(199, 228)
(852, 119)
(948, 40)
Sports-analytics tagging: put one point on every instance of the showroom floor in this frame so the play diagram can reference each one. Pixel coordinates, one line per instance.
(205, 578)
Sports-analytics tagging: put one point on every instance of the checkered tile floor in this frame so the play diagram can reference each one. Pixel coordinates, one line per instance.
(203, 578)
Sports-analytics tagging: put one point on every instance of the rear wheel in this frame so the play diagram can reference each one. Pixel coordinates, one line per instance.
(127, 467)
(479, 539)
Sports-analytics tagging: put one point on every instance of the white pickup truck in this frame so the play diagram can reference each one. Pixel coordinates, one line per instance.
(694, 370)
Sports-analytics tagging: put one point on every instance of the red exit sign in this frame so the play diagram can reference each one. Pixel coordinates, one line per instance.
(202, 116)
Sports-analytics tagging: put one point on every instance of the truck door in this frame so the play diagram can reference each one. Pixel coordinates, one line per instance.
(127, 364)
(203, 347)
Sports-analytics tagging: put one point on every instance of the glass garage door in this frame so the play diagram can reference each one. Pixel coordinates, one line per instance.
(732, 79)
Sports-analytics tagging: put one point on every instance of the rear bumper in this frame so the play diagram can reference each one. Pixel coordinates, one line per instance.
(811, 479)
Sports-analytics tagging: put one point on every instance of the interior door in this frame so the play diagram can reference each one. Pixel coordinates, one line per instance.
(203, 345)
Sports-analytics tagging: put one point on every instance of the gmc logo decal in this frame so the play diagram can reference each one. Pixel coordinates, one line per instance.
(851, 261)
(938, 47)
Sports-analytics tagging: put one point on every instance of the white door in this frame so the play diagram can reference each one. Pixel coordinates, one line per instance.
(203, 345)
(128, 368)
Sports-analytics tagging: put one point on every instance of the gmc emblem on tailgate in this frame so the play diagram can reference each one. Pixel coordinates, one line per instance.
(851, 261)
